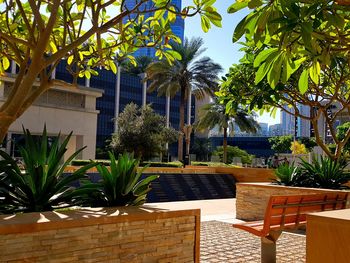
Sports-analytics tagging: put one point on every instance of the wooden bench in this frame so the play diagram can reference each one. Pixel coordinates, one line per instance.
(288, 213)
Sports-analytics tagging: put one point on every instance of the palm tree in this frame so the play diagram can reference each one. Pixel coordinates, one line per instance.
(214, 114)
(201, 147)
(187, 75)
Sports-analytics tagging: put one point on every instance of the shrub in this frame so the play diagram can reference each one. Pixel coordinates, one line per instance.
(85, 162)
(281, 144)
(42, 185)
(142, 131)
(326, 173)
(159, 164)
(233, 151)
(286, 174)
(290, 175)
(121, 185)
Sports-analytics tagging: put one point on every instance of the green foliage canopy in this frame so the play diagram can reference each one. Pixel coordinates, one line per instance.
(234, 151)
(281, 144)
(142, 131)
(296, 54)
(341, 133)
(37, 35)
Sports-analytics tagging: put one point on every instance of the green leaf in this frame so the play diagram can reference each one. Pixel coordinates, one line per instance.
(172, 14)
(208, 2)
(254, 4)
(314, 72)
(240, 29)
(175, 54)
(306, 30)
(303, 83)
(261, 73)
(113, 67)
(53, 47)
(205, 23)
(214, 17)
(159, 13)
(87, 74)
(5, 63)
(237, 6)
(274, 74)
(262, 56)
(70, 59)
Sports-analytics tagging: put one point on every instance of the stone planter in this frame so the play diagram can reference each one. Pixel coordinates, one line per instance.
(252, 198)
(126, 234)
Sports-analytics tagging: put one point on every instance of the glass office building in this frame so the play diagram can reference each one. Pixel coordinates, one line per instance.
(178, 27)
(130, 91)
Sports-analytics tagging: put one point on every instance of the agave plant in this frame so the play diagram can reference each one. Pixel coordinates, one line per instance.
(286, 174)
(41, 186)
(326, 173)
(121, 185)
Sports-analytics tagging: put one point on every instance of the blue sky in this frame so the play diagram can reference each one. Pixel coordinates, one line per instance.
(218, 41)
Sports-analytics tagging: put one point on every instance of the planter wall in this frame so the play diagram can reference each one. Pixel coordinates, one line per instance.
(125, 234)
(243, 174)
(252, 198)
(246, 175)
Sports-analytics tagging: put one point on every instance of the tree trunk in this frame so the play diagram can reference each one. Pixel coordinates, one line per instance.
(181, 125)
(188, 144)
(225, 146)
(319, 140)
(5, 123)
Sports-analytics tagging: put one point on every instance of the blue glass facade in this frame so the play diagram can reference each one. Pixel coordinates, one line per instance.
(178, 27)
(130, 91)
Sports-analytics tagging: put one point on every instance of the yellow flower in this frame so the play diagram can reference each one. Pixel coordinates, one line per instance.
(298, 148)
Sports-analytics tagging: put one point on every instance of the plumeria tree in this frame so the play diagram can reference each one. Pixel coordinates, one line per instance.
(38, 34)
(296, 54)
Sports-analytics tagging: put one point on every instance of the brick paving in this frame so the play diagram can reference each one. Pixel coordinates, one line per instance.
(221, 243)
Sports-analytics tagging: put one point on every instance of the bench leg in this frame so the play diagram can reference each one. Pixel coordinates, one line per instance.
(268, 247)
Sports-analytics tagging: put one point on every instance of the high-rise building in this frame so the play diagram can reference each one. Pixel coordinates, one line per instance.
(303, 125)
(291, 125)
(275, 130)
(264, 129)
(131, 90)
(178, 27)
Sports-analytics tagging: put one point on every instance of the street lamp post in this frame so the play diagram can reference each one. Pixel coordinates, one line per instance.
(143, 77)
(117, 98)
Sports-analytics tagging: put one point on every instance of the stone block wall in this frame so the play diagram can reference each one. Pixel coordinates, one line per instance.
(129, 235)
(252, 198)
(248, 175)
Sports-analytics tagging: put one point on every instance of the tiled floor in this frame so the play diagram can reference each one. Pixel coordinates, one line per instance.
(221, 243)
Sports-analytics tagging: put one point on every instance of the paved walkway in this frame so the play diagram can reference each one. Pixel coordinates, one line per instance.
(221, 243)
